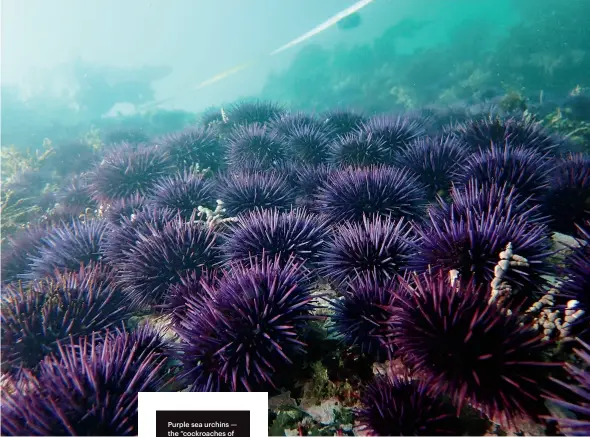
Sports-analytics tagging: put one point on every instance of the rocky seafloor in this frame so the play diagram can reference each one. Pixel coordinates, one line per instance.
(389, 274)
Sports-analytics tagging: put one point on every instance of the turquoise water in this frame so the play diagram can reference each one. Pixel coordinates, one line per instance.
(376, 211)
(153, 55)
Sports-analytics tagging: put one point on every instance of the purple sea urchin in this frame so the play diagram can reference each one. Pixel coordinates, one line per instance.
(256, 143)
(211, 116)
(578, 402)
(126, 171)
(183, 192)
(287, 122)
(576, 282)
(434, 160)
(255, 111)
(248, 191)
(71, 157)
(360, 314)
(270, 233)
(342, 121)
(256, 325)
(470, 350)
(194, 146)
(19, 249)
(148, 339)
(36, 315)
(125, 207)
(472, 246)
(567, 201)
(197, 328)
(398, 405)
(187, 292)
(161, 257)
(483, 199)
(67, 246)
(358, 148)
(308, 143)
(309, 179)
(396, 132)
(378, 246)
(76, 194)
(480, 133)
(350, 194)
(123, 237)
(90, 388)
(523, 169)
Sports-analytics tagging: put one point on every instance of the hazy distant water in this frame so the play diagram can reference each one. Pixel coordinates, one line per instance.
(200, 38)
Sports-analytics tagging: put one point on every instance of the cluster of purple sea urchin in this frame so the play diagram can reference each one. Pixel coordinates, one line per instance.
(577, 400)
(271, 233)
(575, 286)
(67, 246)
(470, 350)
(340, 201)
(160, 257)
(89, 388)
(38, 314)
(398, 405)
(249, 330)
(361, 313)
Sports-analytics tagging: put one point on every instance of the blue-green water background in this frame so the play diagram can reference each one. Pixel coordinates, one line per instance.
(67, 63)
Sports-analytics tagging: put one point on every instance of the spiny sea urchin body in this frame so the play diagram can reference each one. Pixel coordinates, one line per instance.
(480, 133)
(19, 249)
(187, 292)
(350, 194)
(434, 160)
(160, 258)
(89, 388)
(483, 199)
(290, 121)
(256, 326)
(524, 169)
(124, 208)
(61, 214)
(69, 245)
(76, 194)
(126, 171)
(397, 132)
(195, 146)
(308, 143)
(469, 350)
(360, 314)
(342, 121)
(255, 111)
(567, 201)
(256, 143)
(308, 180)
(472, 246)
(211, 116)
(248, 191)
(378, 246)
(358, 148)
(71, 157)
(296, 233)
(123, 237)
(36, 315)
(575, 283)
(398, 405)
(148, 339)
(578, 401)
(183, 192)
